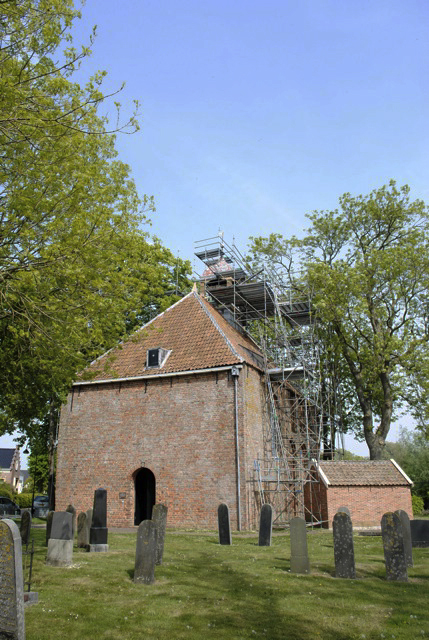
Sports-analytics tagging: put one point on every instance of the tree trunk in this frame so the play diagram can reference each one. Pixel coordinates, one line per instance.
(53, 423)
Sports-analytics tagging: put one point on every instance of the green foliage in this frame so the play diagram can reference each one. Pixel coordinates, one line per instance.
(348, 455)
(366, 266)
(418, 505)
(77, 269)
(6, 490)
(24, 500)
(411, 452)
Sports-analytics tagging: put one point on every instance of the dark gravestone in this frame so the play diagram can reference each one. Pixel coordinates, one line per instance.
(147, 538)
(82, 531)
(406, 532)
(299, 562)
(159, 517)
(344, 510)
(98, 531)
(419, 533)
(49, 526)
(343, 546)
(25, 528)
(12, 625)
(60, 544)
(72, 510)
(393, 543)
(265, 525)
(224, 525)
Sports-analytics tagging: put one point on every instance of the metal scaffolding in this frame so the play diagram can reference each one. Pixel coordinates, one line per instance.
(300, 416)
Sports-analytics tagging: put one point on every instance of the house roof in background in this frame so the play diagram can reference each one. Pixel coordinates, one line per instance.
(195, 335)
(363, 473)
(6, 457)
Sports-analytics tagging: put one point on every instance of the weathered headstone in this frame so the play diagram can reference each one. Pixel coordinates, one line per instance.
(89, 518)
(299, 562)
(82, 531)
(344, 510)
(265, 525)
(147, 536)
(406, 532)
(60, 544)
(419, 533)
(98, 531)
(49, 526)
(12, 625)
(343, 546)
(224, 525)
(25, 528)
(393, 543)
(72, 510)
(159, 517)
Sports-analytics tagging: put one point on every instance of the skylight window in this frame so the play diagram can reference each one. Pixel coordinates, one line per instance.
(156, 357)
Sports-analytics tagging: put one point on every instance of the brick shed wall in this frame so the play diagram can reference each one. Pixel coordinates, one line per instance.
(181, 428)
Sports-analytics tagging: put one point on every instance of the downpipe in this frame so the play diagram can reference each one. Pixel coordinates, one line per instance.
(235, 372)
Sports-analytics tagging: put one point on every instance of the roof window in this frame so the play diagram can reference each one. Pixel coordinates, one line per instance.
(156, 357)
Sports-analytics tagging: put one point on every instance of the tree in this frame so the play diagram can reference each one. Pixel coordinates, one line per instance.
(365, 266)
(411, 452)
(77, 267)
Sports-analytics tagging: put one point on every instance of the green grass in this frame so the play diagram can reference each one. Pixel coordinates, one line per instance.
(207, 591)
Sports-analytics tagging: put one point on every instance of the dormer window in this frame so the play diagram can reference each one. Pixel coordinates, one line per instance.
(156, 357)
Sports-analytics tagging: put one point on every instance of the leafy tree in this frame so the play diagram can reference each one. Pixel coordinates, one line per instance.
(77, 269)
(365, 266)
(411, 452)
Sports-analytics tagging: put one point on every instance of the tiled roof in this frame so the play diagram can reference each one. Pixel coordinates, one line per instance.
(6, 457)
(363, 472)
(196, 335)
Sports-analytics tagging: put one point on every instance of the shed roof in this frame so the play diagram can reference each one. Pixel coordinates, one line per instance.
(6, 457)
(196, 336)
(363, 473)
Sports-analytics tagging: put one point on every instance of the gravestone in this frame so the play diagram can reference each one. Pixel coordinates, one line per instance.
(343, 546)
(159, 517)
(299, 562)
(49, 526)
(265, 525)
(98, 531)
(147, 537)
(406, 532)
(12, 624)
(224, 525)
(419, 533)
(89, 518)
(82, 531)
(344, 510)
(60, 544)
(72, 510)
(393, 543)
(25, 528)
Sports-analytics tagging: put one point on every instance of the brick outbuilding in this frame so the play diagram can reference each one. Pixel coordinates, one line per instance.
(369, 488)
(174, 415)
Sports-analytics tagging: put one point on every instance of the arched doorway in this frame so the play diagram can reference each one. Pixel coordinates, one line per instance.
(144, 485)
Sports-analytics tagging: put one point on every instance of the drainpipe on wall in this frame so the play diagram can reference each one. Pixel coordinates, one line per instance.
(235, 372)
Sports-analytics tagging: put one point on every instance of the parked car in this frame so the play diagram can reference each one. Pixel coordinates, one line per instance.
(41, 502)
(8, 507)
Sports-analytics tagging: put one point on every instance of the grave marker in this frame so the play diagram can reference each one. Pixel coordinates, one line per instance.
(344, 510)
(98, 531)
(419, 533)
(82, 531)
(393, 543)
(49, 526)
(12, 624)
(25, 528)
(265, 525)
(299, 562)
(72, 510)
(146, 548)
(159, 517)
(406, 532)
(343, 546)
(224, 524)
(60, 544)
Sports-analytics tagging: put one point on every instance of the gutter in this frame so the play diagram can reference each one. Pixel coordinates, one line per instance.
(156, 377)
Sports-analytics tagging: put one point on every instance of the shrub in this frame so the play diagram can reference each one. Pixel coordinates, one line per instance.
(23, 500)
(417, 505)
(6, 490)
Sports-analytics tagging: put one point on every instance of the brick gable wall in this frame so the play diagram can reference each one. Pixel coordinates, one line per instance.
(181, 428)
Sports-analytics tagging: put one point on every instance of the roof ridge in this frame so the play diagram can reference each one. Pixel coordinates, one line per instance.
(215, 324)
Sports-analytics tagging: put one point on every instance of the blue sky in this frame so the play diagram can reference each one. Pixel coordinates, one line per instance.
(256, 113)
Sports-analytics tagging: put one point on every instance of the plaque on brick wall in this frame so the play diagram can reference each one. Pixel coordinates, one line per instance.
(122, 495)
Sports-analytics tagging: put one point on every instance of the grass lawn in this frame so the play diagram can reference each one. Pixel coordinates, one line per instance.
(207, 591)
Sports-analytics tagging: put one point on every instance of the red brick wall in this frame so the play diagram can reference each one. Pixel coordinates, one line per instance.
(181, 428)
(366, 504)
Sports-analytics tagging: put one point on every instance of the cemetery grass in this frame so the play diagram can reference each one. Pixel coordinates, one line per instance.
(207, 591)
